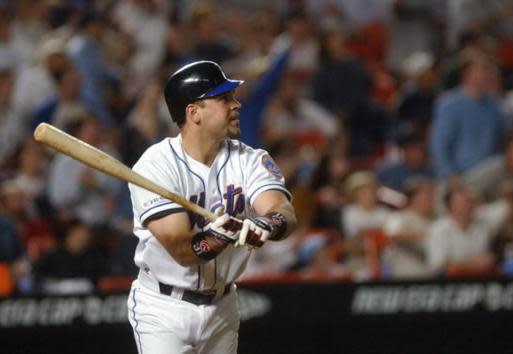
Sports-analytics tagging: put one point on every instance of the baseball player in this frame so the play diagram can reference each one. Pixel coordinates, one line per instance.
(184, 299)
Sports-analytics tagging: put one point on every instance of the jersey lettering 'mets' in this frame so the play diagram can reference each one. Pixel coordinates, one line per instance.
(234, 203)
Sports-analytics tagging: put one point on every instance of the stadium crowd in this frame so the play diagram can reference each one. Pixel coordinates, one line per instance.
(390, 119)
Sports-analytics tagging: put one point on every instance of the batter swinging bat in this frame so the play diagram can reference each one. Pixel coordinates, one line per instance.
(97, 159)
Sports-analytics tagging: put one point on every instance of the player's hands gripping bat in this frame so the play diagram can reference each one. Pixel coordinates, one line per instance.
(225, 228)
(255, 231)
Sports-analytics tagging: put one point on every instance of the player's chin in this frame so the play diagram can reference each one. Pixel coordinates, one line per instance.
(233, 132)
(234, 129)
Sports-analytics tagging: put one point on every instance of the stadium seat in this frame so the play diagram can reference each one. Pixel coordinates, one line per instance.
(6, 281)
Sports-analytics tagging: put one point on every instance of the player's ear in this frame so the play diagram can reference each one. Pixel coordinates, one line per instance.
(192, 111)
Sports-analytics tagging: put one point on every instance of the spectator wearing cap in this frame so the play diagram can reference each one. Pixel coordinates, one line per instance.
(361, 217)
(408, 228)
(468, 124)
(363, 212)
(412, 161)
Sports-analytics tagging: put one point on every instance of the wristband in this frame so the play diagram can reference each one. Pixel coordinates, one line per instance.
(201, 247)
(279, 225)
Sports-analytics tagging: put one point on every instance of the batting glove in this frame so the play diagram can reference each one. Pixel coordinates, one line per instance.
(255, 231)
(225, 228)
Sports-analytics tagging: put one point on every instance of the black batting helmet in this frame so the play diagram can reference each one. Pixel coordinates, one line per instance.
(195, 81)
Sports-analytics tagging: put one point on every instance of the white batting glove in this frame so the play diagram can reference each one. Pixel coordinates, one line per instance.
(225, 228)
(255, 232)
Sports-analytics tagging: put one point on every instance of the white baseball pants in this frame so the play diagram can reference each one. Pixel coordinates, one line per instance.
(163, 324)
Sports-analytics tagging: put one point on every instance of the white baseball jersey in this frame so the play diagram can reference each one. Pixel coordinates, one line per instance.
(236, 177)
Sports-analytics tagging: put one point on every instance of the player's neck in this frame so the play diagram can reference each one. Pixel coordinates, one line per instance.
(202, 150)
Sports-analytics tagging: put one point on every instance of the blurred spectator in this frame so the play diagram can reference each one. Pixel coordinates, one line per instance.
(258, 37)
(368, 125)
(416, 27)
(476, 16)
(327, 179)
(407, 229)
(85, 50)
(468, 123)
(35, 231)
(487, 177)
(11, 124)
(363, 212)
(31, 168)
(291, 115)
(145, 21)
(77, 190)
(451, 64)
(460, 243)
(208, 42)
(9, 53)
(419, 91)
(65, 106)
(36, 82)
(342, 82)
(74, 266)
(148, 121)
(12, 251)
(299, 36)
(412, 162)
(28, 28)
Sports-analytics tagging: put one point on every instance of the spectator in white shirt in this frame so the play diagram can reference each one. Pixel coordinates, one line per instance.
(460, 242)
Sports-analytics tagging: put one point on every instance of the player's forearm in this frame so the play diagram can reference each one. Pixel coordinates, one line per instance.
(287, 210)
(290, 215)
(182, 248)
(179, 248)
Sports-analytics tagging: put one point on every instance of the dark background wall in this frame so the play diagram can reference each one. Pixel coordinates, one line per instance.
(470, 316)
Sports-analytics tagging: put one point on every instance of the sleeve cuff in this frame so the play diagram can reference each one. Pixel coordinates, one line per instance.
(169, 207)
(267, 187)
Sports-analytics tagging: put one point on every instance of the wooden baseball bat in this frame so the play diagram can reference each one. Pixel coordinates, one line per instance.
(99, 160)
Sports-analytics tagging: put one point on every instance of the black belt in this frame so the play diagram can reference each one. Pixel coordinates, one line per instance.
(192, 296)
